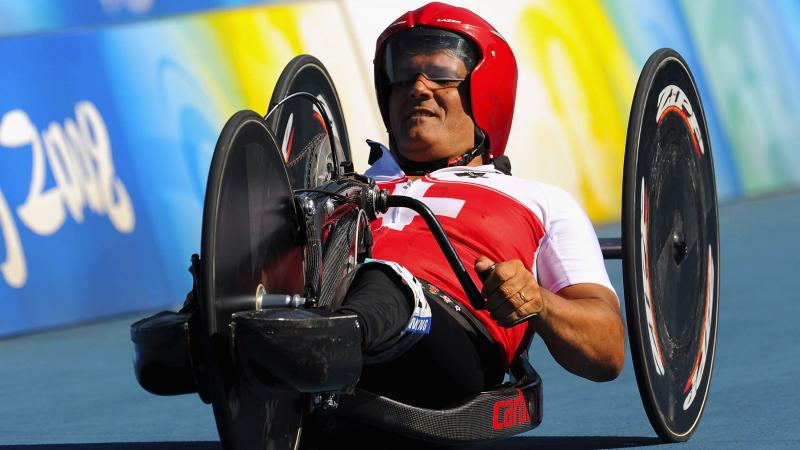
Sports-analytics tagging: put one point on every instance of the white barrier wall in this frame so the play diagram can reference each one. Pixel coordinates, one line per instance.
(108, 118)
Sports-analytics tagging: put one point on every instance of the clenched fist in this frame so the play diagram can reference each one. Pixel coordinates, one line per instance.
(512, 293)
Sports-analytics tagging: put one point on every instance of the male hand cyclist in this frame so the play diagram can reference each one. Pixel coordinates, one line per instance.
(446, 82)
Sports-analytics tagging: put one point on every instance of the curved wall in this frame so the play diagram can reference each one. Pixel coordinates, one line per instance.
(110, 111)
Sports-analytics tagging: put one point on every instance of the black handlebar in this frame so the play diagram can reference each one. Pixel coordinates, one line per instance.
(473, 294)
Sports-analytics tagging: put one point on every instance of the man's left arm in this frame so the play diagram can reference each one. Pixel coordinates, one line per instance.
(581, 324)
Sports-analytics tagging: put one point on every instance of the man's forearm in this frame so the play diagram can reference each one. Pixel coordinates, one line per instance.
(583, 333)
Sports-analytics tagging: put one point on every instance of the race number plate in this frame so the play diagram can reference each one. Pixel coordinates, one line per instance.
(249, 245)
(299, 126)
(671, 246)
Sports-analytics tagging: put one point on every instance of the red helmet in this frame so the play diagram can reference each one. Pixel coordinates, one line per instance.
(492, 82)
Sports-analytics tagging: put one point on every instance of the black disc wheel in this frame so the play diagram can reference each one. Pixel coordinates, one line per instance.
(302, 135)
(250, 244)
(671, 246)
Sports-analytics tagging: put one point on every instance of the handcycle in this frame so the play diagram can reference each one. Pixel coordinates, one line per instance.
(280, 232)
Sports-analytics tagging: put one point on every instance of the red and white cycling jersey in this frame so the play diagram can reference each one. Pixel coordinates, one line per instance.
(485, 212)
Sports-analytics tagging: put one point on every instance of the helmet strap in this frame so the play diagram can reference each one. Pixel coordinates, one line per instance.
(416, 168)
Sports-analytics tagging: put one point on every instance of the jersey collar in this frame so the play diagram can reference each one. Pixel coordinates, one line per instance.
(387, 168)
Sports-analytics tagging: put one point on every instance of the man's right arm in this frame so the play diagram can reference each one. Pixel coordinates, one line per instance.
(581, 324)
(583, 330)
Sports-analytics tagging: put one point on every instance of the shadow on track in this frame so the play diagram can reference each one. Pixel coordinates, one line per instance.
(570, 442)
(120, 445)
(519, 443)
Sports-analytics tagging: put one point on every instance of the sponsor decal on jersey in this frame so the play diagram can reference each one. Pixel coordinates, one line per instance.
(471, 174)
(399, 218)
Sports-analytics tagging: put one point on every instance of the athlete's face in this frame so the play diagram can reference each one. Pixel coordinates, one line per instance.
(430, 120)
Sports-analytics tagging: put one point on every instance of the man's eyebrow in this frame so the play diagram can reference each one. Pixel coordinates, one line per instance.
(441, 66)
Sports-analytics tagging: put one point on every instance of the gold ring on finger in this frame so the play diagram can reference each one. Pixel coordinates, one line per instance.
(522, 296)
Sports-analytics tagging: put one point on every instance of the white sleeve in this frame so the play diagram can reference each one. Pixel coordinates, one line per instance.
(569, 253)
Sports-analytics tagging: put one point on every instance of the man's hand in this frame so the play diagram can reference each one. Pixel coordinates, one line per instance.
(510, 289)
(581, 324)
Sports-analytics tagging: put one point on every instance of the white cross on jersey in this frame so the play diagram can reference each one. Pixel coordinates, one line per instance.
(399, 218)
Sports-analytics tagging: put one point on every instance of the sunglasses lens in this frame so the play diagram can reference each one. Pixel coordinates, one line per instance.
(443, 58)
(438, 82)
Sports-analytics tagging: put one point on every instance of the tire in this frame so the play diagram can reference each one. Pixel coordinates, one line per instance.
(299, 127)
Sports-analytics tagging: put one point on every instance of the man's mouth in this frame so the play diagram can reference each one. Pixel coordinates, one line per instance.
(418, 113)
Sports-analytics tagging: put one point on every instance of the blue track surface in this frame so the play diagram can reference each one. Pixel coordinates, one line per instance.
(74, 388)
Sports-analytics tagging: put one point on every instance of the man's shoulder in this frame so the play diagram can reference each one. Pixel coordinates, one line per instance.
(386, 169)
(490, 176)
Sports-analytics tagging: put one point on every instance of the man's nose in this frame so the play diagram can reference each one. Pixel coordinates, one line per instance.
(419, 88)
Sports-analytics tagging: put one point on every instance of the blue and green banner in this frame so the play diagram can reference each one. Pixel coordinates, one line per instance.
(110, 111)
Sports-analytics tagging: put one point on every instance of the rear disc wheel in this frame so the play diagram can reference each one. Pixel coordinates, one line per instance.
(671, 247)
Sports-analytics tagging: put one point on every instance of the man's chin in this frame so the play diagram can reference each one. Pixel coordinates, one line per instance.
(420, 155)
(417, 148)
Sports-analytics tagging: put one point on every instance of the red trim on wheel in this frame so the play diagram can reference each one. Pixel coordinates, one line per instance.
(289, 145)
(321, 122)
(649, 291)
(685, 118)
(702, 345)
